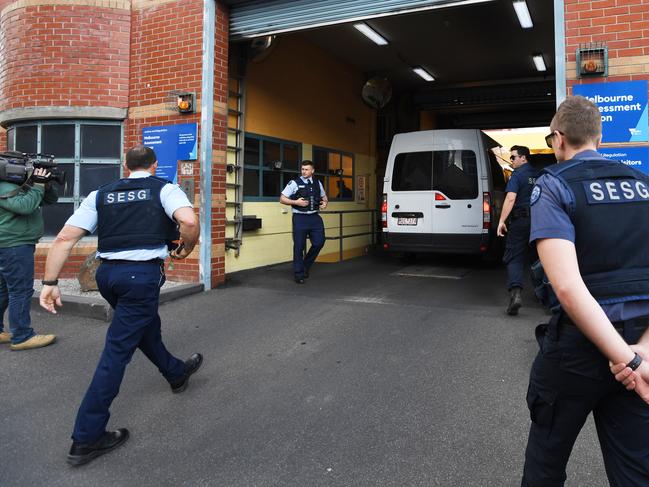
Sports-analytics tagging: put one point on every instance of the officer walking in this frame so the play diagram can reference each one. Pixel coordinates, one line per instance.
(517, 208)
(307, 196)
(589, 223)
(135, 219)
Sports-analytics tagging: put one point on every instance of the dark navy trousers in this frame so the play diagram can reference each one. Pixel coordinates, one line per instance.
(517, 251)
(570, 378)
(306, 225)
(133, 291)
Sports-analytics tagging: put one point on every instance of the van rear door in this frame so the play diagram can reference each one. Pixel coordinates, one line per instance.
(409, 200)
(458, 199)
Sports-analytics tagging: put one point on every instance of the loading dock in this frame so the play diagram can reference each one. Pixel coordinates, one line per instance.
(302, 76)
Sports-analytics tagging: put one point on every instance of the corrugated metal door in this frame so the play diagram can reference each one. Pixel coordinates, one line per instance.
(260, 18)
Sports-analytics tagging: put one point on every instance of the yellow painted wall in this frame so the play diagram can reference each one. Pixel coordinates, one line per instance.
(301, 93)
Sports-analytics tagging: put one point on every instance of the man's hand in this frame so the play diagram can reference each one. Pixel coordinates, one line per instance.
(502, 229)
(50, 295)
(637, 381)
(323, 205)
(302, 202)
(180, 252)
(41, 176)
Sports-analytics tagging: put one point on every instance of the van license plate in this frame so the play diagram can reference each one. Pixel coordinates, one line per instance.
(407, 221)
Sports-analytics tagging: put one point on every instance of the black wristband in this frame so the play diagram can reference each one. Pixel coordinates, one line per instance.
(635, 362)
(55, 282)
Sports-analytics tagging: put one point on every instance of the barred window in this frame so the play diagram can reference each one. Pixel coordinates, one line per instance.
(89, 152)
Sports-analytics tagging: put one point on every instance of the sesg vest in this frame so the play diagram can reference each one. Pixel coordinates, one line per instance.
(308, 191)
(610, 216)
(130, 215)
(529, 173)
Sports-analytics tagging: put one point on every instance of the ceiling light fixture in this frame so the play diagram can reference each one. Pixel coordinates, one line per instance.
(423, 73)
(371, 34)
(523, 14)
(539, 62)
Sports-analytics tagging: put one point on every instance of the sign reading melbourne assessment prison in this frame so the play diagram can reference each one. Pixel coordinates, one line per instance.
(171, 143)
(623, 107)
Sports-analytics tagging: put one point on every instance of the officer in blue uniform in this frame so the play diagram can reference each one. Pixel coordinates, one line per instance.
(589, 223)
(136, 218)
(516, 208)
(307, 196)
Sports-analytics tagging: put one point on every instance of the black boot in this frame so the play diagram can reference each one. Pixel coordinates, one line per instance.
(81, 453)
(515, 301)
(192, 364)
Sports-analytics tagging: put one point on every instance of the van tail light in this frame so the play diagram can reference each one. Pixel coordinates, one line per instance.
(384, 211)
(439, 197)
(486, 211)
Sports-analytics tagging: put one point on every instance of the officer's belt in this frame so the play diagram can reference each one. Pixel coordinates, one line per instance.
(122, 261)
(640, 322)
(521, 213)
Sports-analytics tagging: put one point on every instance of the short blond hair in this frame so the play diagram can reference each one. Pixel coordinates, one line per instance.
(579, 120)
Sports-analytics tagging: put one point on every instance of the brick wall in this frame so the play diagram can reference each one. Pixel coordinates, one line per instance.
(64, 55)
(166, 56)
(623, 25)
(123, 54)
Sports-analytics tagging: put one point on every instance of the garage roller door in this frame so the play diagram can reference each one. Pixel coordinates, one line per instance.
(260, 18)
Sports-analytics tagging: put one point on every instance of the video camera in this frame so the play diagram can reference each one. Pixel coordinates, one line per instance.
(18, 167)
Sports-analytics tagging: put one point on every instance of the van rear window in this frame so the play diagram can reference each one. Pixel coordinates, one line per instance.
(453, 172)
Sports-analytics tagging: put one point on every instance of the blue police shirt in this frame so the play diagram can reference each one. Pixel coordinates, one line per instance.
(551, 204)
(521, 183)
(171, 197)
(291, 188)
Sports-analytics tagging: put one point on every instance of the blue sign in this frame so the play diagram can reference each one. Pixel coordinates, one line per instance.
(636, 157)
(623, 106)
(171, 143)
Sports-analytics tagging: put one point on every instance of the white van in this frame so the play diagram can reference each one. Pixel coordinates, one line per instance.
(443, 192)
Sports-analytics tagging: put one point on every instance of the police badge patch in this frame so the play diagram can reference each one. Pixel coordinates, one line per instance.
(536, 192)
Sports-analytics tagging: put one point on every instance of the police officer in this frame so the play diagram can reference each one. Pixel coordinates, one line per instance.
(517, 208)
(307, 196)
(135, 219)
(589, 223)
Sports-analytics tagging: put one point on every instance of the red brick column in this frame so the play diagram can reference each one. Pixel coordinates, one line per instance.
(623, 25)
(166, 57)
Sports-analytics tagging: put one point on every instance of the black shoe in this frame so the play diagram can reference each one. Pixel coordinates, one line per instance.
(299, 280)
(81, 453)
(306, 274)
(192, 364)
(515, 301)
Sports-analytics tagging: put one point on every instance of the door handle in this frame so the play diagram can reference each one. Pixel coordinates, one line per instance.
(442, 206)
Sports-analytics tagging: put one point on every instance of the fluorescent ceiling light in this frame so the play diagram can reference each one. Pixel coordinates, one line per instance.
(539, 62)
(423, 73)
(371, 34)
(523, 14)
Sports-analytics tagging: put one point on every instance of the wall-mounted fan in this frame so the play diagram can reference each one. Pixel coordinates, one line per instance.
(377, 92)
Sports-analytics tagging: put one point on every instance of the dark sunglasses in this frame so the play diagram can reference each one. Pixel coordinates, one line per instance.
(513, 158)
(548, 138)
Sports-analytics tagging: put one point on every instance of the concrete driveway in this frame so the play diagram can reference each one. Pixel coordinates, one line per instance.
(377, 372)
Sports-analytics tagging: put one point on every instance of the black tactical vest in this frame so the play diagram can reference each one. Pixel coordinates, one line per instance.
(529, 174)
(308, 191)
(130, 215)
(611, 220)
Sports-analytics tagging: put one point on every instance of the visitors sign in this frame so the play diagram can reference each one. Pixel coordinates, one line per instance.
(636, 157)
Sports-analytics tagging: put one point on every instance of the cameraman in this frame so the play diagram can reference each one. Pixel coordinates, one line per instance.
(21, 224)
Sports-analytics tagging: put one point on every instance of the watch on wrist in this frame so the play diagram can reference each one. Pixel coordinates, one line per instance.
(635, 362)
(55, 282)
